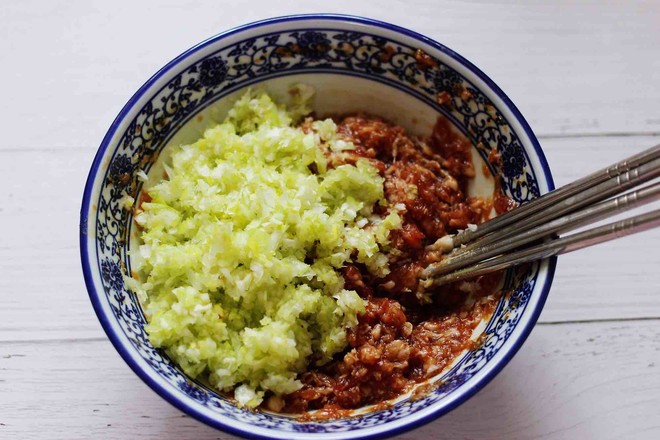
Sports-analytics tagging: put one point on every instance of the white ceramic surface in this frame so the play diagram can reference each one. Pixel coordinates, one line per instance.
(350, 63)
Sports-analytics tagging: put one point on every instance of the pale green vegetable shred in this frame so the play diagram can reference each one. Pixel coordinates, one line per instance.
(242, 246)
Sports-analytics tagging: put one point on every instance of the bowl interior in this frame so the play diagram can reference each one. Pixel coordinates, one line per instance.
(354, 66)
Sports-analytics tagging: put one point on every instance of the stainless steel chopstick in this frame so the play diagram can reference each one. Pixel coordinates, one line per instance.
(611, 231)
(568, 223)
(608, 188)
(550, 199)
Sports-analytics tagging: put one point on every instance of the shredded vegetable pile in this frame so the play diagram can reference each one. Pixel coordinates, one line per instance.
(242, 246)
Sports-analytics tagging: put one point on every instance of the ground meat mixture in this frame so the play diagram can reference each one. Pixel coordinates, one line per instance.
(404, 338)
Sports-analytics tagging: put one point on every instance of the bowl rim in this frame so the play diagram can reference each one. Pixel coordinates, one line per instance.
(164, 391)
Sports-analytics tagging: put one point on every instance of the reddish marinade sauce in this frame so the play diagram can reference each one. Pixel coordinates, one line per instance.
(399, 341)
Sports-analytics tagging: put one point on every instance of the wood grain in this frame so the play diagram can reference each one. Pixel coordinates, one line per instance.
(571, 67)
(584, 74)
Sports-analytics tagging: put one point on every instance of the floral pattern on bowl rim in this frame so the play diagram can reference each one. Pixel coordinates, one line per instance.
(379, 53)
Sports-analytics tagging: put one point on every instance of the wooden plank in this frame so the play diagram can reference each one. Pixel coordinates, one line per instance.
(596, 380)
(581, 72)
(43, 291)
(45, 296)
(614, 280)
(571, 67)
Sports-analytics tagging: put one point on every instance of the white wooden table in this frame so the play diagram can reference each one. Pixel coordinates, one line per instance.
(586, 76)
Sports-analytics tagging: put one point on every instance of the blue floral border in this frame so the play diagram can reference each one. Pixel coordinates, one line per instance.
(206, 81)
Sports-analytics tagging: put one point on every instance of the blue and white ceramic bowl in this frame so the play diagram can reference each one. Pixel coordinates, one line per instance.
(354, 64)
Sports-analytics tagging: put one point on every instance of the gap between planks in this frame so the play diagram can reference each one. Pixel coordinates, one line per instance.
(584, 381)
(84, 340)
(540, 137)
